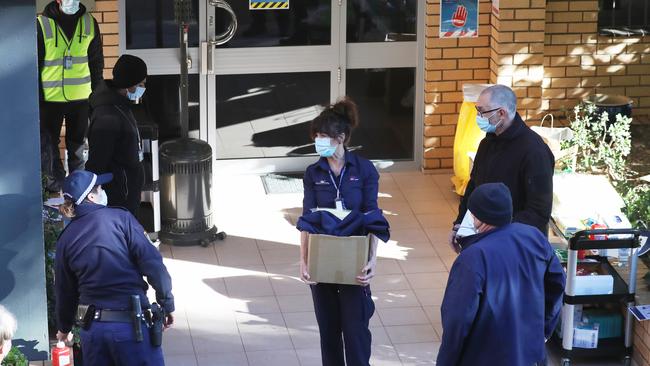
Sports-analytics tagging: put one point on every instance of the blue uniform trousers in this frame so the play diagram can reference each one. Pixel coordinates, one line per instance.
(113, 344)
(343, 310)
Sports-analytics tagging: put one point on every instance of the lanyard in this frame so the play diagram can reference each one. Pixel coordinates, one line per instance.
(338, 187)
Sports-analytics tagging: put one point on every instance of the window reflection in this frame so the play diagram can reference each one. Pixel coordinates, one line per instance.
(381, 21)
(151, 24)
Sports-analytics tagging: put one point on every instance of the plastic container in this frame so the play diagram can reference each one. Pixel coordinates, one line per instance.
(61, 355)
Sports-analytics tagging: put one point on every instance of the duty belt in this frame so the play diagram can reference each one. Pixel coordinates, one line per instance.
(118, 316)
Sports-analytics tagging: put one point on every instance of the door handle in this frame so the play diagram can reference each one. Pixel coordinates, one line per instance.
(232, 28)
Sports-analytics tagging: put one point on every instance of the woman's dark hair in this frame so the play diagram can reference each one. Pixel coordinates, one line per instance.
(69, 207)
(339, 118)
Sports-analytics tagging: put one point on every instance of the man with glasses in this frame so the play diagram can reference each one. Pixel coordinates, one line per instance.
(513, 154)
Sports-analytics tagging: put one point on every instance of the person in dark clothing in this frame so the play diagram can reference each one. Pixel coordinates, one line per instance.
(504, 294)
(513, 154)
(114, 141)
(71, 65)
(101, 258)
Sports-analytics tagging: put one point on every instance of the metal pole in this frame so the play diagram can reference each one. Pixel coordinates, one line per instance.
(184, 115)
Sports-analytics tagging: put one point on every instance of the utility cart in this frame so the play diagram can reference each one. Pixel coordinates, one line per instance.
(619, 298)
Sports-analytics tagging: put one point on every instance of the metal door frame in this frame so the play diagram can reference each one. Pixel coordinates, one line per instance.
(335, 58)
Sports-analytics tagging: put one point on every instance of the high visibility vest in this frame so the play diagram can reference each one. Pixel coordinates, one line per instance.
(66, 75)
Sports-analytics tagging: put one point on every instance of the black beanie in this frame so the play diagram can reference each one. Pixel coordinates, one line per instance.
(491, 203)
(129, 71)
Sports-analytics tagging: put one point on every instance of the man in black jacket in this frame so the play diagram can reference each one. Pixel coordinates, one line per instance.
(70, 64)
(513, 154)
(113, 137)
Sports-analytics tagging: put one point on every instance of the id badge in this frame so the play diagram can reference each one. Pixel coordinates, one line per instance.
(67, 62)
(339, 204)
(140, 155)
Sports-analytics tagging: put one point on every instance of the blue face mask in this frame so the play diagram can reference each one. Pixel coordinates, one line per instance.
(324, 146)
(70, 7)
(485, 125)
(137, 94)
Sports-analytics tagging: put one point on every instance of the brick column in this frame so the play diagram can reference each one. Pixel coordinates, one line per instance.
(107, 16)
(449, 64)
(517, 52)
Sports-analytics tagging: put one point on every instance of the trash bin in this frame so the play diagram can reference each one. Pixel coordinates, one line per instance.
(185, 184)
(612, 104)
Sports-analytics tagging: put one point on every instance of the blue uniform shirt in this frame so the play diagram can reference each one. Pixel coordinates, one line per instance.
(503, 298)
(101, 257)
(358, 185)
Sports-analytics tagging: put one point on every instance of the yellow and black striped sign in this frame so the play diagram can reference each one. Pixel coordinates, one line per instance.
(267, 5)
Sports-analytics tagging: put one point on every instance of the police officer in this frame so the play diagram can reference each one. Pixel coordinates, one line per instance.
(71, 64)
(101, 258)
(114, 141)
(341, 179)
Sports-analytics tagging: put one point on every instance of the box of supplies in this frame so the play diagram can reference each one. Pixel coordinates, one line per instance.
(337, 259)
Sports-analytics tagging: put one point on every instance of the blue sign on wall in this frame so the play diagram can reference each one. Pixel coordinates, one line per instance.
(458, 18)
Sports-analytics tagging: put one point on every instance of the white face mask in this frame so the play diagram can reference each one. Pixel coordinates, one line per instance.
(99, 198)
(70, 6)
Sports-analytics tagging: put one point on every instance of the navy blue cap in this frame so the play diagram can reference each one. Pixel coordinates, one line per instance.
(77, 185)
(491, 203)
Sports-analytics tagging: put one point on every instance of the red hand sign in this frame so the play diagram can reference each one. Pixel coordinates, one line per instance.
(460, 16)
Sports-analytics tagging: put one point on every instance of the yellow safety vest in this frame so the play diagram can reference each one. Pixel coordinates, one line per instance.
(66, 75)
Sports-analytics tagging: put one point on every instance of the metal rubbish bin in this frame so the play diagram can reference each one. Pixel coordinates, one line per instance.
(612, 104)
(185, 185)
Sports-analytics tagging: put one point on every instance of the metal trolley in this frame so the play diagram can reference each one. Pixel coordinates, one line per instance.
(623, 294)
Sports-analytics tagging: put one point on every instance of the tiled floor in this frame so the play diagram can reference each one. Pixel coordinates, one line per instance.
(240, 301)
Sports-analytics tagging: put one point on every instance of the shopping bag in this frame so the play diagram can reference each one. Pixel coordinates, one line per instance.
(554, 136)
(468, 136)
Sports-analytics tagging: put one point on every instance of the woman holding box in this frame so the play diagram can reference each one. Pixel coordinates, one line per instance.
(341, 179)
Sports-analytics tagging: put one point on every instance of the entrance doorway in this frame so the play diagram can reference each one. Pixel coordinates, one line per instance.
(253, 103)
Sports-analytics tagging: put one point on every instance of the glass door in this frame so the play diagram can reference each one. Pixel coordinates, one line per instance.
(269, 81)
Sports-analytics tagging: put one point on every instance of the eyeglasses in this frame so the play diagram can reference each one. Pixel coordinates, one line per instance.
(481, 113)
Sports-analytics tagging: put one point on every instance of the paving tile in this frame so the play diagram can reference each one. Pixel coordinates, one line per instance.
(402, 221)
(384, 355)
(249, 285)
(418, 353)
(409, 236)
(181, 360)
(402, 316)
(281, 256)
(255, 305)
(273, 358)
(443, 221)
(395, 298)
(295, 303)
(303, 330)
(215, 340)
(309, 357)
(389, 282)
(423, 264)
(427, 280)
(411, 333)
(263, 332)
(289, 285)
(430, 297)
(388, 266)
(222, 359)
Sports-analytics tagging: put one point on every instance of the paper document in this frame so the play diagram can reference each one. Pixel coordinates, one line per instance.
(341, 214)
(466, 226)
(641, 312)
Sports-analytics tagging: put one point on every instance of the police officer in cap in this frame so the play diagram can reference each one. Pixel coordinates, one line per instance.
(101, 258)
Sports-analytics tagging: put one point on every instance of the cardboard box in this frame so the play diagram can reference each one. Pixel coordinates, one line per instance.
(337, 259)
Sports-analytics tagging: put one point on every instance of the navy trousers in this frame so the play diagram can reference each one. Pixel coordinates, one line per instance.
(113, 344)
(343, 313)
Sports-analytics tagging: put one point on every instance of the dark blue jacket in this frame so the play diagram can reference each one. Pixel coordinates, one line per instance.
(359, 185)
(101, 257)
(503, 298)
(355, 223)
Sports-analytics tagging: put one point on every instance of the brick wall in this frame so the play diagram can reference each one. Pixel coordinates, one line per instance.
(548, 51)
(106, 14)
(449, 64)
(578, 62)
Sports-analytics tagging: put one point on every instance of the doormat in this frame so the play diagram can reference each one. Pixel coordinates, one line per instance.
(282, 183)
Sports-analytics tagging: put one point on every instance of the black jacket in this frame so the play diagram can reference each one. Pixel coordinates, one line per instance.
(115, 144)
(68, 24)
(521, 160)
